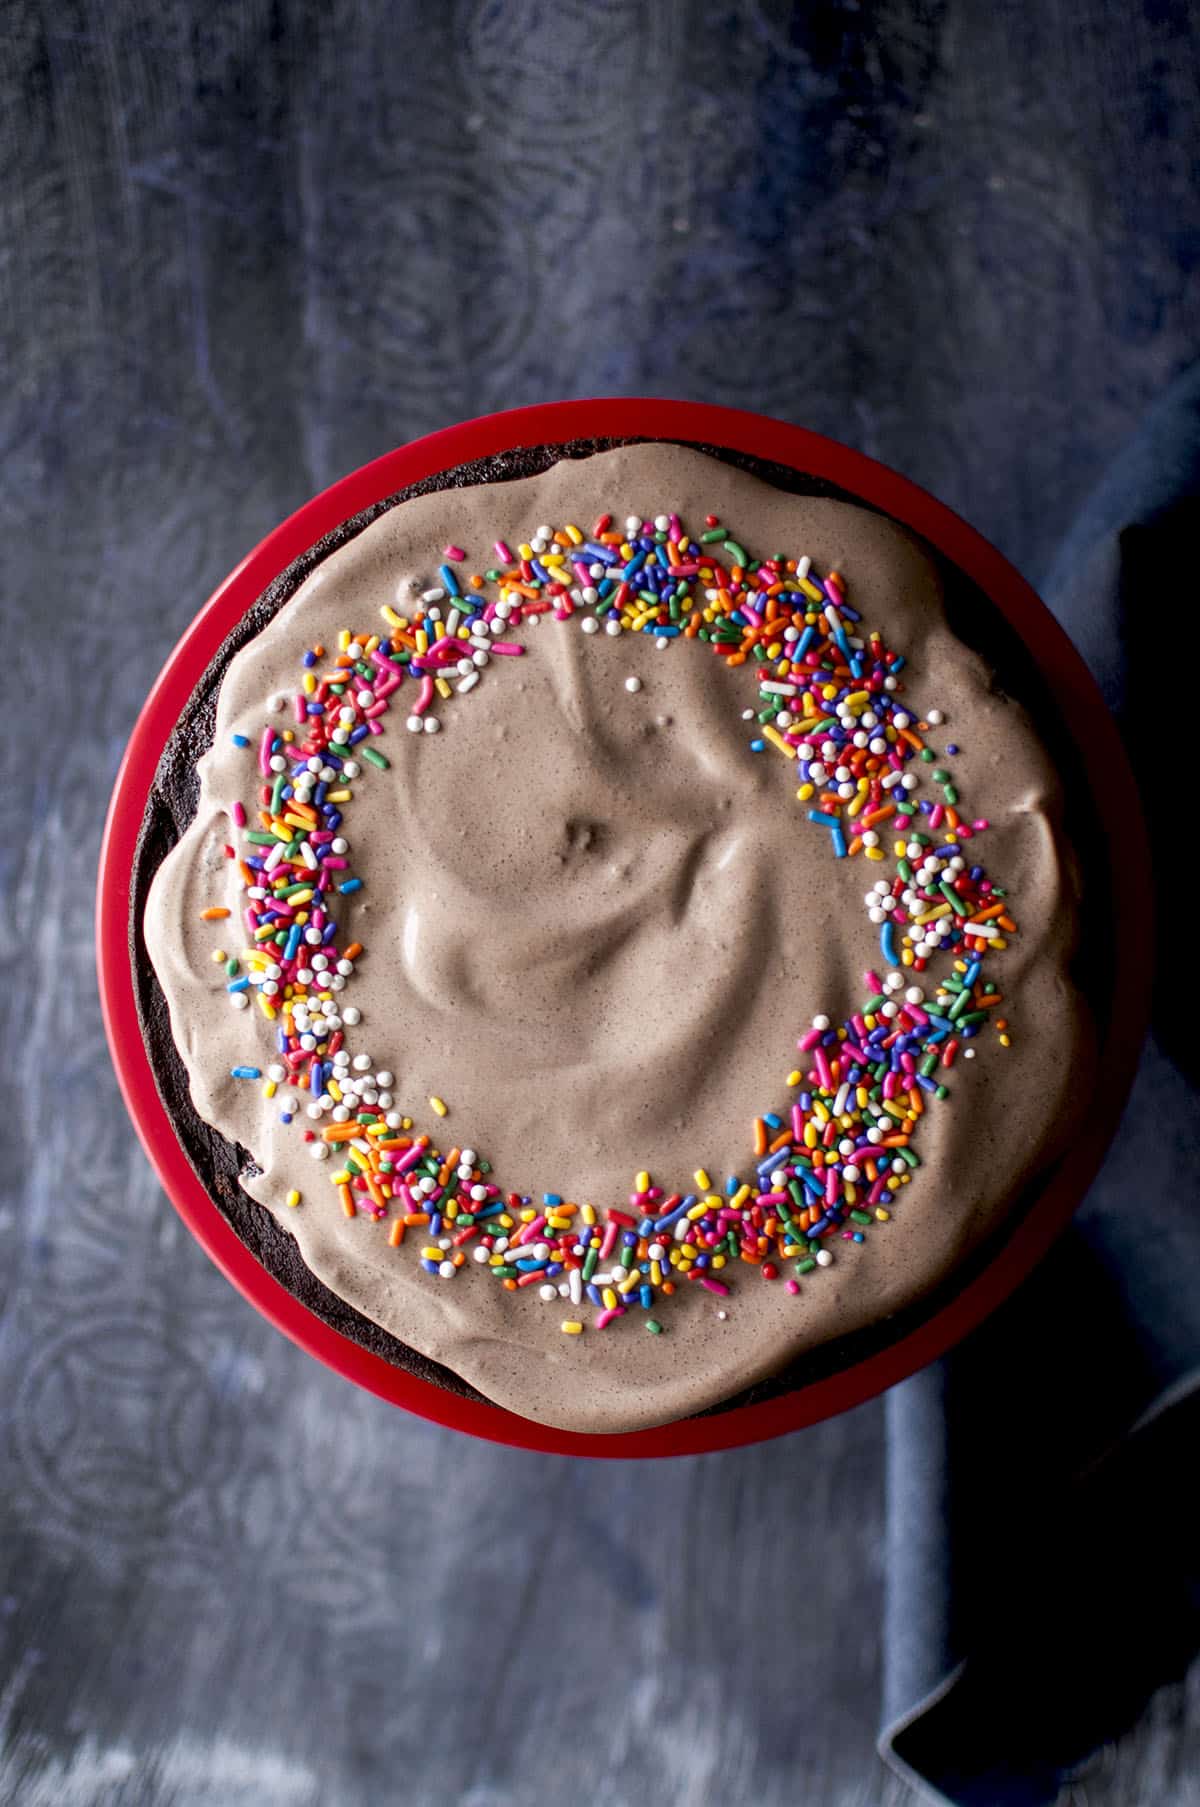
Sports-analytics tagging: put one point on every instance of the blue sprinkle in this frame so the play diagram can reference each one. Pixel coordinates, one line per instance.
(239, 740)
(823, 816)
(887, 942)
(350, 884)
(951, 749)
(839, 842)
(758, 746)
(239, 985)
(646, 1295)
(449, 580)
(310, 659)
(551, 1198)
(245, 1072)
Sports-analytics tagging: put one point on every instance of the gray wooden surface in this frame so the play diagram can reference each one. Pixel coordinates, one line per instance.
(245, 247)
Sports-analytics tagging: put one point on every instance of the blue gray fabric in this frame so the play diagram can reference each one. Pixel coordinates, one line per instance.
(1042, 1573)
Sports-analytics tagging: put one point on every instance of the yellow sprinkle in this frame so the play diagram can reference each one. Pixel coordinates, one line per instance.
(443, 689)
(269, 1088)
(776, 739)
(642, 1182)
(342, 796)
(573, 534)
(739, 1198)
(701, 1178)
(219, 956)
(422, 639)
(437, 1105)
(309, 683)
(698, 1210)
(267, 1008)
(874, 853)
(1006, 1041)
(343, 639)
(335, 1090)
(390, 616)
(589, 1214)
(609, 1297)
(293, 1198)
(570, 1328)
(882, 1215)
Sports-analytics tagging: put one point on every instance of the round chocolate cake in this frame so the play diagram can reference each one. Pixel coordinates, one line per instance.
(608, 937)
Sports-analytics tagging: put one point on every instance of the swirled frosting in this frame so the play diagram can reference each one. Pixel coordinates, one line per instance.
(596, 923)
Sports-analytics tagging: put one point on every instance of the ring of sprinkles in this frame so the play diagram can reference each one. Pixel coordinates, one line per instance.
(829, 699)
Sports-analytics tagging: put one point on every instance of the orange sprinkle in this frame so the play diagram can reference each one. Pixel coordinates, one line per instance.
(214, 913)
(396, 1233)
(760, 1136)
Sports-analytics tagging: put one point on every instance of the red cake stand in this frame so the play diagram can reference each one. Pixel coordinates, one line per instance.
(1084, 714)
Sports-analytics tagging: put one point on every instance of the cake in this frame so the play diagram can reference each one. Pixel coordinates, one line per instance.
(607, 937)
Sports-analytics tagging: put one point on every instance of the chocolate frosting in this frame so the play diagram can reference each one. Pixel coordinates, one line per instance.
(596, 923)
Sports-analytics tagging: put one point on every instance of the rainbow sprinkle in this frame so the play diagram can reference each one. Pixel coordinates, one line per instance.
(827, 1166)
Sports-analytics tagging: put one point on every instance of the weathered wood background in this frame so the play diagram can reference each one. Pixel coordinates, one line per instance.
(245, 247)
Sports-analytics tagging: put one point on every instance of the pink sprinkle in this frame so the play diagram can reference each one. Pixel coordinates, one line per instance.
(797, 1123)
(609, 1241)
(714, 1286)
(509, 647)
(455, 552)
(424, 697)
(606, 1317)
(300, 709)
(872, 981)
(264, 752)
(409, 1159)
(238, 812)
(809, 1040)
(503, 553)
(793, 1286)
(980, 825)
(822, 1066)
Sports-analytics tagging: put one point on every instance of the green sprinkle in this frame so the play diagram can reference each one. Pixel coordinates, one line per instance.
(735, 552)
(806, 1266)
(860, 1216)
(373, 758)
(713, 534)
(653, 1326)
